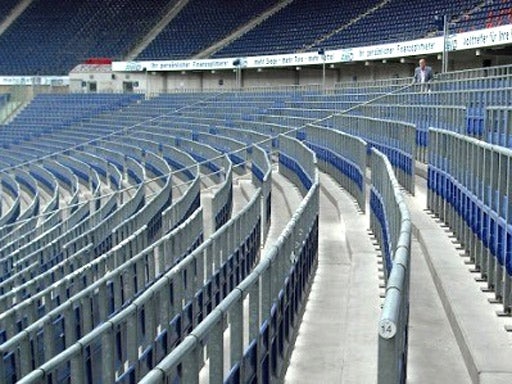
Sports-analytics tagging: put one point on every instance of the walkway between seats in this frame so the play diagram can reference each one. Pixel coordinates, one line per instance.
(337, 340)
(470, 338)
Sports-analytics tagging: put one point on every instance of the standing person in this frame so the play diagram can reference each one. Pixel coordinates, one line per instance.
(423, 74)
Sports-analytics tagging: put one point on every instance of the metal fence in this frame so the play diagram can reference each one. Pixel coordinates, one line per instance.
(397, 140)
(160, 317)
(92, 303)
(295, 163)
(469, 189)
(10, 186)
(391, 224)
(502, 71)
(342, 156)
(261, 313)
(423, 116)
(469, 97)
(261, 170)
(498, 126)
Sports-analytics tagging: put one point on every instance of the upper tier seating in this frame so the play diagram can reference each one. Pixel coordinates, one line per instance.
(51, 112)
(201, 24)
(298, 24)
(399, 21)
(52, 38)
(303, 23)
(46, 40)
(6, 6)
(490, 14)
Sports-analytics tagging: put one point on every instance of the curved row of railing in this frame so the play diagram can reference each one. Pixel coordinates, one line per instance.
(469, 189)
(261, 335)
(392, 226)
(57, 294)
(129, 168)
(215, 262)
(342, 156)
(398, 141)
(10, 186)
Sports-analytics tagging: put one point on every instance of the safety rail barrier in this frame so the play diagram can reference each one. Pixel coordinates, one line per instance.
(342, 156)
(289, 121)
(469, 190)
(109, 174)
(54, 246)
(27, 269)
(51, 214)
(179, 210)
(272, 129)
(182, 164)
(390, 222)
(211, 161)
(497, 126)
(133, 340)
(97, 302)
(222, 200)
(113, 157)
(450, 117)
(306, 111)
(244, 135)
(396, 139)
(501, 71)
(261, 336)
(368, 86)
(182, 207)
(300, 173)
(68, 181)
(85, 173)
(10, 186)
(473, 99)
(149, 215)
(27, 185)
(261, 170)
(219, 167)
(77, 271)
(27, 229)
(235, 150)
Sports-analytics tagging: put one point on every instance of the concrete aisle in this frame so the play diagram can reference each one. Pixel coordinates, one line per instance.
(434, 355)
(335, 343)
(286, 199)
(484, 348)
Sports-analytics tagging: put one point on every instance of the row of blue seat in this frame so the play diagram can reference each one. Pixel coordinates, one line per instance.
(38, 45)
(474, 203)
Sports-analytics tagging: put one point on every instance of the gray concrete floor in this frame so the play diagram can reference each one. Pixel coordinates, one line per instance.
(335, 343)
(337, 339)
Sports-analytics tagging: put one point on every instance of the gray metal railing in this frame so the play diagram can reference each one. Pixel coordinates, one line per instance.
(261, 335)
(342, 156)
(149, 323)
(469, 189)
(396, 139)
(391, 224)
(423, 116)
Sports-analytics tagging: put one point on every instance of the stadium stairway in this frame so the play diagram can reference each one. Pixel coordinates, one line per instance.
(481, 336)
(454, 333)
(333, 343)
